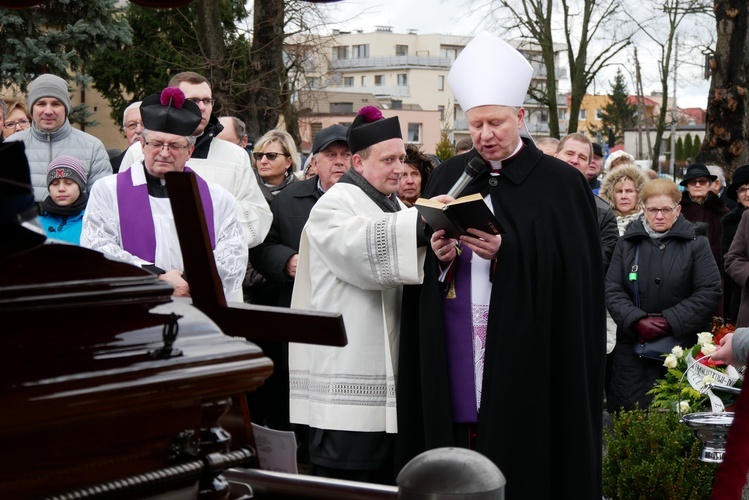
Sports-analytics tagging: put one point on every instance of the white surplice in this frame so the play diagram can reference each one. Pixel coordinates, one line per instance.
(353, 259)
(101, 231)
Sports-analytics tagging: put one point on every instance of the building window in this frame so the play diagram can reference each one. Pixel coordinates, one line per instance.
(583, 115)
(441, 109)
(379, 80)
(448, 52)
(401, 50)
(340, 52)
(314, 82)
(441, 82)
(543, 116)
(414, 132)
(363, 81)
(360, 51)
(402, 79)
(599, 114)
(348, 81)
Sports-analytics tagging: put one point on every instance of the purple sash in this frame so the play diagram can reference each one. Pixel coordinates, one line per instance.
(136, 219)
(457, 315)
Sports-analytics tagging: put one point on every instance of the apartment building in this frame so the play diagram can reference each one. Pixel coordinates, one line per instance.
(405, 71)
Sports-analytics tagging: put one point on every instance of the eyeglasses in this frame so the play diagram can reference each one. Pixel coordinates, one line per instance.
(742, 190)
(701, 180)
(169, 147)
(271, 156)
(206, 102)
(19, 123)
(665, 211)
(133, 125)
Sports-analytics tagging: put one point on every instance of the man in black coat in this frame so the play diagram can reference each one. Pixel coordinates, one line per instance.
(537, 361)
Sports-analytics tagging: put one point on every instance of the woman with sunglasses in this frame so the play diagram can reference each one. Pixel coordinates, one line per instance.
(276, 159)
(662, 282)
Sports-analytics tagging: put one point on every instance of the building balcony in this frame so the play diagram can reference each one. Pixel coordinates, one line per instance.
(391, 62)
(378, 90)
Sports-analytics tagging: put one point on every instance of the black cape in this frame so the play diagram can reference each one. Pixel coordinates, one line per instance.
(541, 414)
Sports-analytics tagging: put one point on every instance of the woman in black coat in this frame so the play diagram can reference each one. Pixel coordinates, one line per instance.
(678, 284)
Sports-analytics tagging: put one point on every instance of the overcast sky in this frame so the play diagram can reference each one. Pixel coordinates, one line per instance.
(455, 18)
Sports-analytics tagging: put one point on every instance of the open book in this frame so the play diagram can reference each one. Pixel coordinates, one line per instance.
(457, 216)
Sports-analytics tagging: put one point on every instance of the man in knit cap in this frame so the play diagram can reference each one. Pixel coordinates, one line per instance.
(129, 215)
(360, 246)
(52, 135)
(507, 354)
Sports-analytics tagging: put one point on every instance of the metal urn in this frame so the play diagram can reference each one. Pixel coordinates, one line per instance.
(712, 429)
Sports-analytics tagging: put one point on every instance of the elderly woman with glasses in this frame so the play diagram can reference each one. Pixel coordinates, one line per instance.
(276, 159)
(662, 282)
(17, 118)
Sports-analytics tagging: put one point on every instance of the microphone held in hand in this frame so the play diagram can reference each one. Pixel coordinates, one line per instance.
(474, 168)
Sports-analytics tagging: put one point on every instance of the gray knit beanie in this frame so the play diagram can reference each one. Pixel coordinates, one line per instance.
(48, 85)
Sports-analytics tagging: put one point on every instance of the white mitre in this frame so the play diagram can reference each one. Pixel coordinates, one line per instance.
(489, 71)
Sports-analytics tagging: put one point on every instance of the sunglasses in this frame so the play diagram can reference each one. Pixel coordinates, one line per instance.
(271, 156)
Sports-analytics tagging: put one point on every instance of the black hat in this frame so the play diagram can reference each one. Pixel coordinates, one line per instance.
(696, 170)
(170, 112)
(370, 127)
(739, 178)
(597, 150)
(327, 136)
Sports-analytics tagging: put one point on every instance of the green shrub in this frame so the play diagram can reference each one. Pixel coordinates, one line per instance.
(652, 456)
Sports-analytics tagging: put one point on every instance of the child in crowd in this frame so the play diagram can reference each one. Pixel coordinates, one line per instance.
(62, 211)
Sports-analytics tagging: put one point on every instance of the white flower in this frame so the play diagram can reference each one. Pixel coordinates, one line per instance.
(670, 361)
(704, 338)
(683, 406)
(677, 351)
(708, 349)
(707, 379)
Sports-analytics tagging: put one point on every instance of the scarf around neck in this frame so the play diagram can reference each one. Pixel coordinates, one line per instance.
(49, 206)
(384, 202)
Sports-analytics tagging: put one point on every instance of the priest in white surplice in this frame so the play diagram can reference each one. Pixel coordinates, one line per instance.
(129, 215)
(358, 249)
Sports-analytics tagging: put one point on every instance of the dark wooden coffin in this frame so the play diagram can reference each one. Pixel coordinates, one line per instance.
(91, 395)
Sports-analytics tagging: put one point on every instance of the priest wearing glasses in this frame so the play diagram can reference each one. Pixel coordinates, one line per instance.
(129, 215)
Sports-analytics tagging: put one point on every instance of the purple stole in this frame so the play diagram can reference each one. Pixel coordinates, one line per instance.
(136, 220)
(457, 317)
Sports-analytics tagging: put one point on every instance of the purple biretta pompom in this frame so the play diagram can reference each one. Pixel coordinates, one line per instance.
(175, 95)
(370, 114)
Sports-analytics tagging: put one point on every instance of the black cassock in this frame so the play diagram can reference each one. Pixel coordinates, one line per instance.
(541, 412)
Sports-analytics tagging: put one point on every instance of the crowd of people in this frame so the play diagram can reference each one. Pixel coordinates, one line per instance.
(508, 344)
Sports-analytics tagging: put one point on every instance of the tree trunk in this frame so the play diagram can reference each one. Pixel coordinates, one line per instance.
(266, 66)
(210, 38)
(727, 123)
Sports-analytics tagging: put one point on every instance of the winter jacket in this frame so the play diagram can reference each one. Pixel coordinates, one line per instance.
(737, 266)
(678, 278)
(43, 147)
(607, 230)
(731, 289)
(65, 228)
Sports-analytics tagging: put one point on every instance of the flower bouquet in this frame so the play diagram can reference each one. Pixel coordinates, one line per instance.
(683, 388)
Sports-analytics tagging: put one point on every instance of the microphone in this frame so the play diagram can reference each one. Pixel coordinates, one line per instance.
(474, 168)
